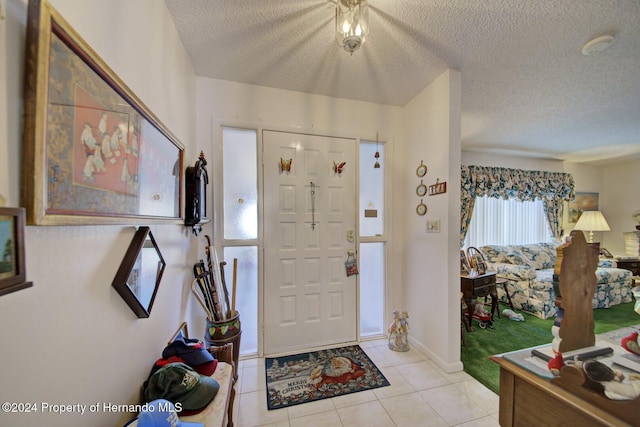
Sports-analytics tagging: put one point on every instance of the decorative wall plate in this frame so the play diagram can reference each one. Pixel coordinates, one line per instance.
(421, 190)
(421, 209)
(422, 170)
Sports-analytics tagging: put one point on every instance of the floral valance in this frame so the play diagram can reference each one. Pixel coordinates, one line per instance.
(506, 183)
(503, 183)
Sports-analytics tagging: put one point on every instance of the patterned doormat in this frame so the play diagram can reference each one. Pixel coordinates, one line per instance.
(316, 375)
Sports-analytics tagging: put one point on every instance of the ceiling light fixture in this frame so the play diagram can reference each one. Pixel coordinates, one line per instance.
(352, 23)
(597, 45)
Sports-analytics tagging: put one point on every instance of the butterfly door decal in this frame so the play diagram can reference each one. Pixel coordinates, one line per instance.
(337, 167)
(285, 165)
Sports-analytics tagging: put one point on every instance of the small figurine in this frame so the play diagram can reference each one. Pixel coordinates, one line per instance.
(398, 331)
(484, 318)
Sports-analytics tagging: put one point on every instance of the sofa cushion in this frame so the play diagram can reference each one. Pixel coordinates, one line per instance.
(516, 257)
(603, 275)
(540, 255)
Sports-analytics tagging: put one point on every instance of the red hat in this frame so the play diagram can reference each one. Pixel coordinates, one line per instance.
(207, 368)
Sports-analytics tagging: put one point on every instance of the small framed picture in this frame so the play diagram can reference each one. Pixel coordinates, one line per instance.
(464, 263)
(13, 276)
(478, 263)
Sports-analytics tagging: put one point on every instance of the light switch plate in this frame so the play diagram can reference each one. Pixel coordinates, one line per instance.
(433, 226)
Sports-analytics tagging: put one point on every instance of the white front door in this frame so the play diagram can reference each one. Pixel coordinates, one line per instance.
(309, 227)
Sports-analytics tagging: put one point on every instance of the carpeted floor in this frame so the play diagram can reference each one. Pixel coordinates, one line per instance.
(509, 335)
(316, 375)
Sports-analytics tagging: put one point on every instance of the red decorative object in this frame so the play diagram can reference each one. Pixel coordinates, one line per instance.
(556, 364)
(630, 343)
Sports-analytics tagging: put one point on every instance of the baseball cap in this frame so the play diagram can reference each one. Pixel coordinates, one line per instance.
(206, 369)
(180, 383)
(191, 350)
(159, 413)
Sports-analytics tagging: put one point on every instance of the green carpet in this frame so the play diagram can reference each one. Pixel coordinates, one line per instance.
(510, 335)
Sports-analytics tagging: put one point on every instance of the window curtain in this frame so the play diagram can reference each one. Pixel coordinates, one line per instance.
(553, 188)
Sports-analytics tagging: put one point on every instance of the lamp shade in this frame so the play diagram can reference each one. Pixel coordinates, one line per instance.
(592, 221)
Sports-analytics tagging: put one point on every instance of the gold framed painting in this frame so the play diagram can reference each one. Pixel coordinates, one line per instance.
(93, 152)
(582, 202)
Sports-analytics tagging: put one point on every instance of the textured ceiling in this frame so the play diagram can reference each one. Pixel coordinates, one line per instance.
(526, 87)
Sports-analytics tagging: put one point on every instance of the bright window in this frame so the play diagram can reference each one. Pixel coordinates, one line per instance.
(240, 226)
(507, 222)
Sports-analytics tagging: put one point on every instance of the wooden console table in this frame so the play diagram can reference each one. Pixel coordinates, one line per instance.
(527, 399)
(478, 286)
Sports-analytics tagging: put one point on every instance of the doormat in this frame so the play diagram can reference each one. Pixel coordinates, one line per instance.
(306, 377)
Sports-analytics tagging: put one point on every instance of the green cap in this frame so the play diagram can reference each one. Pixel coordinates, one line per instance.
(179, 383)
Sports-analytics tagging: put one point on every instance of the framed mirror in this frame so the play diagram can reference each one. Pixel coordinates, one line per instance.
(140, 272)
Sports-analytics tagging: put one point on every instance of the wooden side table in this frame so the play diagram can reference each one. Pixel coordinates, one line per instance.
(633, 265)
(478, 286)
(503, 282)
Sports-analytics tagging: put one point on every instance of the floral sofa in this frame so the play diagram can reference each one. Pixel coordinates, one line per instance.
(529, 271)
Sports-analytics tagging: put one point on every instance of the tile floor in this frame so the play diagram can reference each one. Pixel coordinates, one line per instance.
(420, 394)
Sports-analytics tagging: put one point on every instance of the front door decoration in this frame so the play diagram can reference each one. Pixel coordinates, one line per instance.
(351, 264)
(285, 165)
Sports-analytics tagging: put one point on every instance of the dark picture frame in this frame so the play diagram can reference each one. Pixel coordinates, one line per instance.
(13, 274)
(464, 263)
(93, 153)
(138, 277)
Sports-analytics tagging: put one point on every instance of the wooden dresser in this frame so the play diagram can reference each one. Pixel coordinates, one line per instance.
(527, 399)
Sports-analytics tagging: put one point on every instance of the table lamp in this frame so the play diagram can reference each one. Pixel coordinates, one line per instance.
(592, 221)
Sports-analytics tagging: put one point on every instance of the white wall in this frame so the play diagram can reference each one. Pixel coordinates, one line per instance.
(223, 103)
(432, 280)
(420, 279)
(71, 338)
(620, 200)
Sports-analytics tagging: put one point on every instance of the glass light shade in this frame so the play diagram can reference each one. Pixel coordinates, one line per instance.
(352, 23)
(592, 221)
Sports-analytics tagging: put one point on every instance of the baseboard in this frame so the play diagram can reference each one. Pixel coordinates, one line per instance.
(449, 368)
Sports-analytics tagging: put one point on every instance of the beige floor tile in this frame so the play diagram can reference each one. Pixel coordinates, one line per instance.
(421, 375)
(369, 414)
(487, 421)
(252, 379)
(420, 394)
(354, 399)
(253, 410)
(311, 408)
(373, 343)
(378, 356)
(481, 395)
(398, 385)
(254, 361)
(452, 405)
(323, 419)
(402, 357)
(411, 410)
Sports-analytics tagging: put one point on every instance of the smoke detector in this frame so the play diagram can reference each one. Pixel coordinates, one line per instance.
(597, 45)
